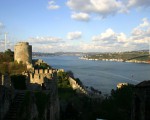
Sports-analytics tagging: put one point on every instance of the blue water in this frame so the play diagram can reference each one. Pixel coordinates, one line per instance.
(101, 75)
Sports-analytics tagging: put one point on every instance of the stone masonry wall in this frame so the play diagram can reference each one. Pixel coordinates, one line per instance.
(76, 86)
(23, 52)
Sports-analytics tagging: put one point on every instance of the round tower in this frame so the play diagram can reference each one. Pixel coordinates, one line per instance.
(23, 53)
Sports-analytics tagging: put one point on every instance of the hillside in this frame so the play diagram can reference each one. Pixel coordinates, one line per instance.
(133, 56)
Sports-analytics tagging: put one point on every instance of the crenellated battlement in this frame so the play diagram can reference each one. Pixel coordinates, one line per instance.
(44, 77)
(44, 71)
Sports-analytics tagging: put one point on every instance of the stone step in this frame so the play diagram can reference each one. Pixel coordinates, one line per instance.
(14, 107)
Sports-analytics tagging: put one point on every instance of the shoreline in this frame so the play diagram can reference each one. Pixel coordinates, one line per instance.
(114, 60)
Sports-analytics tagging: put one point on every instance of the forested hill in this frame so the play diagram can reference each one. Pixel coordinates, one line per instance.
(142, 55)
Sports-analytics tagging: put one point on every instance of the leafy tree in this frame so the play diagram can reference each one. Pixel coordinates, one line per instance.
(7, 56)
(42, 66)
(12, 68)
(63, 81)
(118, 105)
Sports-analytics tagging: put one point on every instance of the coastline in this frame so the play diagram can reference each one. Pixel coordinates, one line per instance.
(115, 60)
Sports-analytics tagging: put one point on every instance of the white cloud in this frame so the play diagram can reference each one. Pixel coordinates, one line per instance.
(107, 41)
(80, 16)
(109, 36)
(74, 35)
(100, 7)
(44, 40)
(138, 39)
(52, 5)
(141, 33)
(121, 37)
(145, 23)
(138, 3)
(104, 8)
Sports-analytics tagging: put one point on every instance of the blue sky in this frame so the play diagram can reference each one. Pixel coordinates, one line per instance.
(76, 25)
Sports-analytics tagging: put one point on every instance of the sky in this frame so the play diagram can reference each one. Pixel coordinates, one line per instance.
(76, 25)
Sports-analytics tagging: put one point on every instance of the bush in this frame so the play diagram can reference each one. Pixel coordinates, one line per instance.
(42, 66)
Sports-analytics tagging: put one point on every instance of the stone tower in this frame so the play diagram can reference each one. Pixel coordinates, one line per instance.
(23, 53)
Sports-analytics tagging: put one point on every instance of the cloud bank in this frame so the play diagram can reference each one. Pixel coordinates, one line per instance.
(106, 41)
(104, 8)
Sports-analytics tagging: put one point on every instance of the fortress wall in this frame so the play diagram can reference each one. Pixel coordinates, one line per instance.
(50, 71)
(36, 71)
(36, 78)
(43, 76)
(48, 77)
(23, 52)
(76, 86)
(41, 71)
(46, 71)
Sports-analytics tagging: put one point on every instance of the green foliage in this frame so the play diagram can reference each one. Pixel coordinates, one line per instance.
(42, 66)
(4, 68)
(63, 81)
(64, 89)
(7, 56)
(12, 68)
(115, 107)
(18, 81)
(41, 102)
(17, 68)
(118, 105)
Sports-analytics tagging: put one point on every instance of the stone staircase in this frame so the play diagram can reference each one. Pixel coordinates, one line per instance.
(15, 106)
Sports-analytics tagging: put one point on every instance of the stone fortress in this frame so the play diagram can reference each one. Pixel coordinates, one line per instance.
(23, 53)
(42, 77)
(44, 80)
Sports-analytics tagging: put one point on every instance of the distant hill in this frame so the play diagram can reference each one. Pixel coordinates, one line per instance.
(129, 56)
(34, 54)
